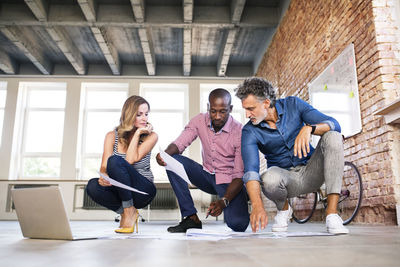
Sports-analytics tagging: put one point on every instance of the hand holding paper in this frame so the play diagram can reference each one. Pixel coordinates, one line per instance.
(118, 184)
(174, 166)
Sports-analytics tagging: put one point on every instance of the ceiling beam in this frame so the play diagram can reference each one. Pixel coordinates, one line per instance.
(109, 51)
(188, 11)
(145, 37)
(69, 49)
(187, 51)
(88, 9)
(7, 64)
(148, 50)
(38, 8)
(237, 7)
(20, 41)
(138, 10)
(187, 37)
(58, 35)
(225, 52)
(60, 15)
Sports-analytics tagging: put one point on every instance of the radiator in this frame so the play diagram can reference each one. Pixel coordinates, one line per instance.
(89, 204)
(164, 199)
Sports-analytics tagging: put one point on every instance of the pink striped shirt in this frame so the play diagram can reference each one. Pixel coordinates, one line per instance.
(221, 151)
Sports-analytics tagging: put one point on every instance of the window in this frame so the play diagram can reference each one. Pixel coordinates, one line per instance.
(3, 95)
(237, 112)
(168, 115)
(42, 128)
(101, 105)
(335, 93)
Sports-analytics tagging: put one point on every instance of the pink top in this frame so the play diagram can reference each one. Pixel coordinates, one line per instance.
(221, 151)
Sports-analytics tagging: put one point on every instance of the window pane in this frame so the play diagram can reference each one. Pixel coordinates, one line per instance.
(237, 116)
(165, 100)
(97, 126)
(167, 125)
(90, 168)
(158, 171)
(41, 167)
(3, 95)
(46, 99)
(44, 131)
(204, 100)
(106, 99)
(1, 124)
(237, 104)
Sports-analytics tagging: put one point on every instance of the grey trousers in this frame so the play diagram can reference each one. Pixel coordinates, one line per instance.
(325, 166)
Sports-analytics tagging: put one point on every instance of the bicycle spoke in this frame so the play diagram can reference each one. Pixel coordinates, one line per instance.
(351, 193)
(303, 207)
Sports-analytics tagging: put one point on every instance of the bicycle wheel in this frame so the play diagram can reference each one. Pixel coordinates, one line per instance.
(350, 194)
(303, 206)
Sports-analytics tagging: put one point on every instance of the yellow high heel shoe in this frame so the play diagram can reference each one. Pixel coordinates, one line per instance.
(129, 230)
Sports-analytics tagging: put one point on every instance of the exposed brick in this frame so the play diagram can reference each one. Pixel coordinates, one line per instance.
(310, 36)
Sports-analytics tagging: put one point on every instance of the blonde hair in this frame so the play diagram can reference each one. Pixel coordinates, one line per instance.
(128, 118)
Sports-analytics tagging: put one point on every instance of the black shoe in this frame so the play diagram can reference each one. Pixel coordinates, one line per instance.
(185, 224)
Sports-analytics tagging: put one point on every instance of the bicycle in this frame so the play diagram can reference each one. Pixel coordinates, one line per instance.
(349, 201)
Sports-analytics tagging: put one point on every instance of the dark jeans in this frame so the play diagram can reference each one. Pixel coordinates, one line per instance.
(112, 197)
(236, 215)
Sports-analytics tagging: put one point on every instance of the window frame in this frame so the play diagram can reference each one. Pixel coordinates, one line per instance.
(3, 87)
(162, 87)
(87, 87)
(27, 88)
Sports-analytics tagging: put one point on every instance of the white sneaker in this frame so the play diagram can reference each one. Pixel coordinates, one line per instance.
(281, 220)
(334, 224)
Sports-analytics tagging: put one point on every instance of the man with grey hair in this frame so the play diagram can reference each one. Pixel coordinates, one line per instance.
(281, 130)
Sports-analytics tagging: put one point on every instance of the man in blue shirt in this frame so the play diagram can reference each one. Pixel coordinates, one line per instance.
(281, 130)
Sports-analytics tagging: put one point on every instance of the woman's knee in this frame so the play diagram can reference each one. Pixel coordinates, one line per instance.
(91, 187)
(143, 201)
(118, 168)
(113, 161)
(152, 191)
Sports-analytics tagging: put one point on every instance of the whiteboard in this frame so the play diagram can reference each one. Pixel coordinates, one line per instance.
(335, 92)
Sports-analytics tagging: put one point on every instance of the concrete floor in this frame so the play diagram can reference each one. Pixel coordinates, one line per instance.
(364, 246)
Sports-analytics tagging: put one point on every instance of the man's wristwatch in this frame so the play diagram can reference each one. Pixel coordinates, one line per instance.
(226, 201)
(313, 127)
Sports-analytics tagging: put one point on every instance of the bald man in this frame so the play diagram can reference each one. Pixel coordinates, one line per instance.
(222, 168)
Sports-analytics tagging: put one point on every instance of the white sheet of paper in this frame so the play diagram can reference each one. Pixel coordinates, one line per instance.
(174, 166)
(118, 184)
(204, 234)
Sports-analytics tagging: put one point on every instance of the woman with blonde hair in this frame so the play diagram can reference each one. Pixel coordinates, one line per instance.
(126, 159)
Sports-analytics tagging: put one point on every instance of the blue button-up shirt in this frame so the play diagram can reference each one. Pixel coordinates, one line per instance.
(278, 144)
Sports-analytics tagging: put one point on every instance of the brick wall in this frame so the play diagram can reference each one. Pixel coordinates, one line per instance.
(311, 35)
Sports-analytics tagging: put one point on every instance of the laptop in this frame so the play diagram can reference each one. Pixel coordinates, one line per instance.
(41, 213)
